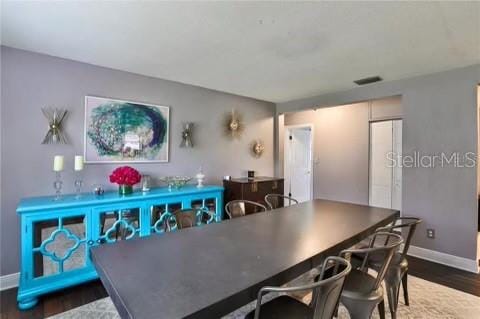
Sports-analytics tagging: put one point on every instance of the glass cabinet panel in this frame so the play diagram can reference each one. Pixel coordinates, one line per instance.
(120, 224)
(211, 205)
(208, 206)
(59, 245)
(162, 217)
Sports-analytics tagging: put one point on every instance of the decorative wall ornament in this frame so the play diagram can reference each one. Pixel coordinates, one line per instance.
(187, 135)
(55, 134)
(257, 148)
(233, 124)
(119, 131)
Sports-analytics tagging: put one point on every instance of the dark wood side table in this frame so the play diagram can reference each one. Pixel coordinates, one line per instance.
(252, 189)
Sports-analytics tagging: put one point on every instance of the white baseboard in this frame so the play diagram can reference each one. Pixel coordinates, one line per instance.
(9, 281)
(470, 265)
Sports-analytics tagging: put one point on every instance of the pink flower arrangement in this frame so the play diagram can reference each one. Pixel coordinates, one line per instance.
(125, 175)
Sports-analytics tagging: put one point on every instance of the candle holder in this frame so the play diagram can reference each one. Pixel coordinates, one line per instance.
(78, 185)
(200, 178)
(145, 183)
(57, 185)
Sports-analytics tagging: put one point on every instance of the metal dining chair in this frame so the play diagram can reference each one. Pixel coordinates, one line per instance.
(273, 200)
(190, 217)
(362, 291)
(326, 292)
(397, 273)
(237, 208)
(185, 218)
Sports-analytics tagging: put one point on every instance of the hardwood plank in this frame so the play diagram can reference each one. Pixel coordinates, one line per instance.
(444, 275)
(51, 304)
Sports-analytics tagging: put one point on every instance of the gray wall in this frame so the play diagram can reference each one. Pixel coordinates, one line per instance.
(478, 149)
(31, 81)
(340, 151)
(439, 116)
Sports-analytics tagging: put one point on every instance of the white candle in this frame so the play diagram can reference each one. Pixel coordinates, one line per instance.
(78, 162)
(58, 163)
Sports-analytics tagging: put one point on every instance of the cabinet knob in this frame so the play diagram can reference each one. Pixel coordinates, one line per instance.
(90, 242)
(99, 241)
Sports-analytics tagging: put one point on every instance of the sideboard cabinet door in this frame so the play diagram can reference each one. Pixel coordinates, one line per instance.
(116, 222)
(60, 243)
(55, 250)
(161, 215)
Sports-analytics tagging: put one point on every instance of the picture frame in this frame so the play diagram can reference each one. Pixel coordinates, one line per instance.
(122, 131)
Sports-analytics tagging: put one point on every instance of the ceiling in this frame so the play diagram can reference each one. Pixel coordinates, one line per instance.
(274, 51)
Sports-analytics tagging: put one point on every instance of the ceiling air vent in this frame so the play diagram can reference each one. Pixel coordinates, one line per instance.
(368, 80)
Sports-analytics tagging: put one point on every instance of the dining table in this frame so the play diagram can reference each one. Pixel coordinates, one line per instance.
(211, 270)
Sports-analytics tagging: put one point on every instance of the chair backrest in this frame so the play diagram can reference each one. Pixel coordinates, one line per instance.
(185, 218)
(326, 289)
(405, 226)
(390, 243)
(273, 200)
(326, 295)
(238, 207)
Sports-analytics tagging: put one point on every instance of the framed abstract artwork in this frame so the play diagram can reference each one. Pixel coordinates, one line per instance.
(118, 131)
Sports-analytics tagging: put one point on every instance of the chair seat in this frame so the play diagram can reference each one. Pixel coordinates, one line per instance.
(359, 285)
(398, 261)
(361, 244)
(283, 307)
(375, 261)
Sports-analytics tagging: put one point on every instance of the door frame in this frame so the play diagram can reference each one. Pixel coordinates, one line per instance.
(286, 154)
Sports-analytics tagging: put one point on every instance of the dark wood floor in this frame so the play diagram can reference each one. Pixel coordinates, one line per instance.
(52, 304)
(447, 276)
(83, 294)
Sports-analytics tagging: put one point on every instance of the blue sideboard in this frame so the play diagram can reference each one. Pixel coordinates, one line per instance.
(56, 236)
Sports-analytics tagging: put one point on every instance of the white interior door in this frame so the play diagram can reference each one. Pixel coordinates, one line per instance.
(385, 189)
(298, 163)
(397, 169)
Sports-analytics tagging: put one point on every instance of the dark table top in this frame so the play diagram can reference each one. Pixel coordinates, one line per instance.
(209, 271)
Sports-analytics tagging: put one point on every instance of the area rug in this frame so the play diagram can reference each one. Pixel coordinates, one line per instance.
(427, 301)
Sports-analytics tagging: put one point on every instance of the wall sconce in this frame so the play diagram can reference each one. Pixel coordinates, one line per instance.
(187, 135)
(233, 124)
(55, 134)
(257, 148)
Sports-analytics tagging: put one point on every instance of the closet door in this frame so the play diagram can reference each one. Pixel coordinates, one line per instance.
(397, 170)
(385, 189)
(380, 190)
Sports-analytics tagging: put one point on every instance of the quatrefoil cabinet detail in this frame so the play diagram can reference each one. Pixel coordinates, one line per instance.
(48, 247)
